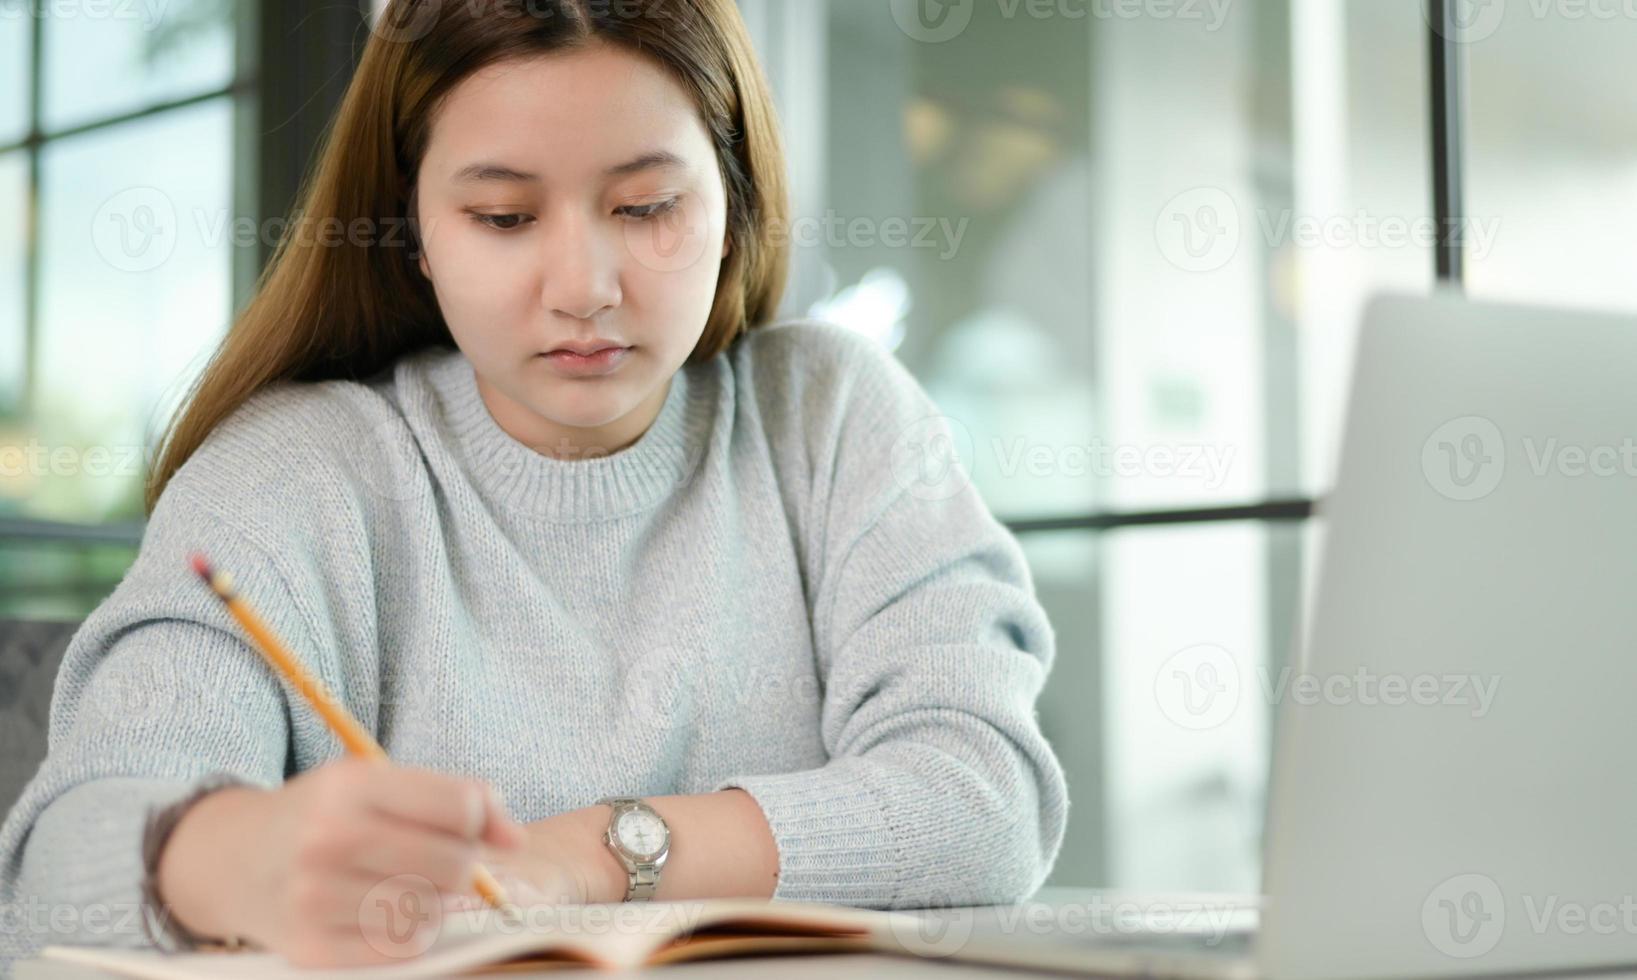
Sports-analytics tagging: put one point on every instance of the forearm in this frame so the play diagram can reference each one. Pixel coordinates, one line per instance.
(721, 847)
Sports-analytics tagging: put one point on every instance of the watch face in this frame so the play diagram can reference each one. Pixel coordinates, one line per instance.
(640, 833)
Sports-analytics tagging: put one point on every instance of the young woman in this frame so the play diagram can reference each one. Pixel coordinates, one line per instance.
(544, 498)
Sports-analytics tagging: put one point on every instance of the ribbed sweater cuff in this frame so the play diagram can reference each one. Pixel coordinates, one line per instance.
(81, 882)
(838, 841)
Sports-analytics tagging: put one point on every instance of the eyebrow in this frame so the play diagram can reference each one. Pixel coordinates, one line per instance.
(483, 171)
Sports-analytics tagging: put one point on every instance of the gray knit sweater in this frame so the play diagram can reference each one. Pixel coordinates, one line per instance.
(768, 590)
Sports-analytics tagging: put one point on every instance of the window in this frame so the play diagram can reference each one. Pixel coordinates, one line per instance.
(1552, 154)
(16, 63)
(118, 173)
(101, 61)
(13, 268)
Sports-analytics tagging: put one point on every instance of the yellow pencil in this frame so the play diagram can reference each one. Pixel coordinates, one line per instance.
(357, 740)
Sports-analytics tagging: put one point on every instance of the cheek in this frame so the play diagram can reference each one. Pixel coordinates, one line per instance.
(472, 270)
(682, 245)
(678, 275)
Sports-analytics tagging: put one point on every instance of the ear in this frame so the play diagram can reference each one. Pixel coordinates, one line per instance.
(426, 270)
(727, 245)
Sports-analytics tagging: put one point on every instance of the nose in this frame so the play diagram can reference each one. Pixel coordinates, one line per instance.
(580, 275)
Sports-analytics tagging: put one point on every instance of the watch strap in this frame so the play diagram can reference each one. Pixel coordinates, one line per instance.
(644, 881)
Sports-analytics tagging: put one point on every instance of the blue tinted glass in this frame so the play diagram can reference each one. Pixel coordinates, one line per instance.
(135, 287)
(105, 59)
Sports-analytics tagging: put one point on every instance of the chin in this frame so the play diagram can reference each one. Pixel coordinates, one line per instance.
(589, 413)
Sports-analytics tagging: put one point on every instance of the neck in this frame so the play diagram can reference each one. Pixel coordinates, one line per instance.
(569, 442)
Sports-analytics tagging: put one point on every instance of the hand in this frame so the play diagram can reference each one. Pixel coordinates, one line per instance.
(339, 866)
(564, 861)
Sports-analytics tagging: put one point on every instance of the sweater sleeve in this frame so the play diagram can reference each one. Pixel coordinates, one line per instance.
(940, 788)
(157, 695)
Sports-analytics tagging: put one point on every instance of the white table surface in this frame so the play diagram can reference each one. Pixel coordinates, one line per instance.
(1047, 901)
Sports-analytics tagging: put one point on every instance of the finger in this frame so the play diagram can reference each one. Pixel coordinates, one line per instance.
(500, 829)
(432, 799)
(399, 848)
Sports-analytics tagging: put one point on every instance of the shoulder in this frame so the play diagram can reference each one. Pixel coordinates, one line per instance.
(842, 410)
(828, 374)
(813, 345)
(296, 446)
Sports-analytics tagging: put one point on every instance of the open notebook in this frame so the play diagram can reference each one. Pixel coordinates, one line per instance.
(480, 941)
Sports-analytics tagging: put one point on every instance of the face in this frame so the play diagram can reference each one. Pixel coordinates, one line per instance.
(572, 200)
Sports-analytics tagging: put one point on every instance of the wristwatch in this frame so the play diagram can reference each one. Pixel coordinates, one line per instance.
(641, 840)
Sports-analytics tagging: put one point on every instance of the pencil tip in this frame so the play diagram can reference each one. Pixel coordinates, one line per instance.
(201, 565)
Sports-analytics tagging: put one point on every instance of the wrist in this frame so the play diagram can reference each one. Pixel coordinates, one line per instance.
(607, 877)
(206, 841)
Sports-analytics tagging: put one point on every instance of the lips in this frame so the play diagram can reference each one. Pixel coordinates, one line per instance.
(587, 349)
(570, 364)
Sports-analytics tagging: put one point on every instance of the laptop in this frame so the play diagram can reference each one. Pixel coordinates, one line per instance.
(1476, 811)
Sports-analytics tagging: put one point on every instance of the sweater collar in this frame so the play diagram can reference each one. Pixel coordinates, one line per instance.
(521, 478)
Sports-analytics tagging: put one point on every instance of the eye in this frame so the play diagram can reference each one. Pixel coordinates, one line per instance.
(647, 212)
(499, 222)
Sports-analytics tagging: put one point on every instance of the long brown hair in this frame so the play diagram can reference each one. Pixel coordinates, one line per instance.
(341, 308)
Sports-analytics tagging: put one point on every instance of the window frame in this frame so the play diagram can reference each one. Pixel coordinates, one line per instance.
(281, 49)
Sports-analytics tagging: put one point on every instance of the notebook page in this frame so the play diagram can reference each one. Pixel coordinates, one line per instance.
(464, 940)
(619, 934)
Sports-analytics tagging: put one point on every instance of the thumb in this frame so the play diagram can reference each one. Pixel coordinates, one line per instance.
(499, 829)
